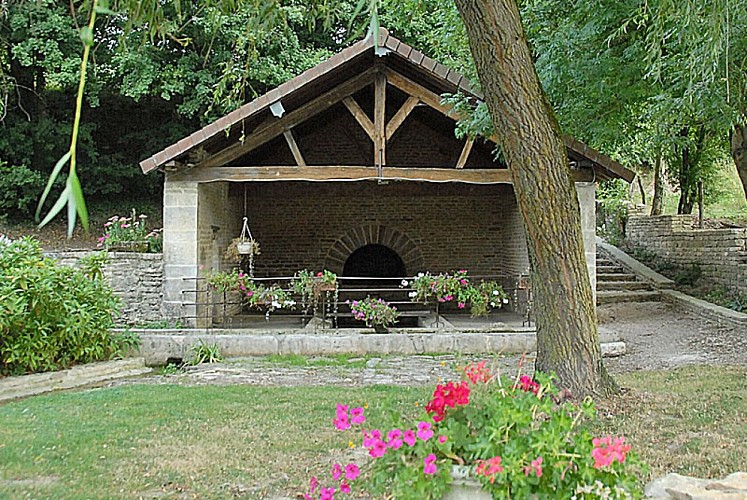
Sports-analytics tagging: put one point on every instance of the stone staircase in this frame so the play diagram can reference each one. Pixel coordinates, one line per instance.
(617, 284)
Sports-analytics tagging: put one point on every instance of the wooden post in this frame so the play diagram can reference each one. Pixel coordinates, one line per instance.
(294, 148)
(380, 120)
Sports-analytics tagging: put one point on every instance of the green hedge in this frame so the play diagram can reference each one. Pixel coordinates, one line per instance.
(52, 316)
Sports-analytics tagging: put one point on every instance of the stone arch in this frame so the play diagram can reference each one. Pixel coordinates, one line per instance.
(373, 234)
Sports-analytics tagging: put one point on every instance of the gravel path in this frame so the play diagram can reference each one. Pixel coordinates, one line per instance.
(657, 337)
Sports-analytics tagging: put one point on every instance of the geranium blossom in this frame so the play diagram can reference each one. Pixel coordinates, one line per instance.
(429, 464)
(607, 450)
(424, 431)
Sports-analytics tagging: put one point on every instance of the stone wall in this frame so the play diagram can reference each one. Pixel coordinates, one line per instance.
(136, 279)
(720, 253)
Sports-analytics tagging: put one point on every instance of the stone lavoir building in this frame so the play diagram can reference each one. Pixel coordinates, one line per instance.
(353, 166)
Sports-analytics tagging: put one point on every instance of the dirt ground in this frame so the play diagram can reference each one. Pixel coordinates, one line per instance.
(657, 336)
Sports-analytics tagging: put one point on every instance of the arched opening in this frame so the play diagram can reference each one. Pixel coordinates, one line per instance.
(374, 261)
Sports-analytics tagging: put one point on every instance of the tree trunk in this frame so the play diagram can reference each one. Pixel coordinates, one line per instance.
(567, 335)
(658, 200)
(739, 153)
(685, 205)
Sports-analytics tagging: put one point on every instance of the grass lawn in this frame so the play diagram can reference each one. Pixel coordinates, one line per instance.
(247, 442)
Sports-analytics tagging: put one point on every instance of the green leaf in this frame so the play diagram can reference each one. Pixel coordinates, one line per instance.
(53, 176)
(61, 202)
(76, 192)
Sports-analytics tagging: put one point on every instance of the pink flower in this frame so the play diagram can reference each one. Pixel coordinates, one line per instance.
(378, 449)
(312, 488)
(356, 416)
(461, 305)
(429, 464)
(409, 437)
(424, 431)
(345, 488)
(608, 450)
(336, 472)
(442, 439)
(535, 466)
(489, 468)
(327, 494)
(352, 472)
(395, 439)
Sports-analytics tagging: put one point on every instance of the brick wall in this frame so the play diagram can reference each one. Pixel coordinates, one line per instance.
(451, 226)
(137, 280)
(720, 253)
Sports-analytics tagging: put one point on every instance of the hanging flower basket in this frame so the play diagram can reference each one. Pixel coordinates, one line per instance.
(249, 247)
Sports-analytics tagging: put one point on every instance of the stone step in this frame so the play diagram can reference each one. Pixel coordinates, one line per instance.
(607, 277)
(614, 268)
(616, 296)
(623, 285)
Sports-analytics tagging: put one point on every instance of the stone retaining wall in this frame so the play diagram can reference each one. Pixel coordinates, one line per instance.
(720, 253)
(136, 278)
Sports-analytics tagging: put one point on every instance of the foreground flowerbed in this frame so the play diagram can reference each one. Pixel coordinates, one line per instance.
(517, 437)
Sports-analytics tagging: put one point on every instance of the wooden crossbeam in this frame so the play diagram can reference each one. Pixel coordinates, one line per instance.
(294, 148)
(269, 131)
(360, 116)
(345, 173)
(400, 116)
(465, 152)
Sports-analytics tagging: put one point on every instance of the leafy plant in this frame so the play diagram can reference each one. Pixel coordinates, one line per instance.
(92, 264)
(132, 229)
(310, 287)
(517, 437)
(51, 316)
(612, 217)
(203, 352)
(456, 287)
(730, 298)
(127, 341)
(688, 276)
(19, 189)
(264, 297)
(374, 312)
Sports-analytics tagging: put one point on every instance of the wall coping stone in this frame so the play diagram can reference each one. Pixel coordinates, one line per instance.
(645, 272)
(77, 376)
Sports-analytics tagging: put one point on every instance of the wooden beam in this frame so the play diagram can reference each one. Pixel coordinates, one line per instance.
(360, 116)
(380, 119)
(427, 96)
(344, 173)
(401, 116)
(269, 131)
(294, 148)
(465, 152)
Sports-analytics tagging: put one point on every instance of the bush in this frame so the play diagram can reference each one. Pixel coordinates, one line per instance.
(51, 316)
(19, 190)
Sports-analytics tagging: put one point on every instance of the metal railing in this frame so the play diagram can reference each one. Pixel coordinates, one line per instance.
(213, 308)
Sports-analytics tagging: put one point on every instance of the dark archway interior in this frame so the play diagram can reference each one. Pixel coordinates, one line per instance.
(374, 261)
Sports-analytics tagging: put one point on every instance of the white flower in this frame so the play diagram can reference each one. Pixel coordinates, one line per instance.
(505, 301)
(276, 304)
(496, 292)
(413, 294)
(492, 304)
(404, 283)
(420, 275)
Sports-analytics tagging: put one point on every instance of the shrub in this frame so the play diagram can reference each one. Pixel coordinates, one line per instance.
(19, 189)
(51, 316)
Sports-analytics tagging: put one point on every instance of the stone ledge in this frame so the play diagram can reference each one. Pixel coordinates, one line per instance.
(158, 348)
(705, 309)
(77, 376)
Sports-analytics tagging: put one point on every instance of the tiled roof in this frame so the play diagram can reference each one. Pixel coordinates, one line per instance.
(430, 66)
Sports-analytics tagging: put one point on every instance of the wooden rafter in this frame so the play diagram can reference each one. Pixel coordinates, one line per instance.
(269, 131)
(401, 116)
(334, 172)
(294, 148)
(380, 119)
(360, 116)
(465, 152)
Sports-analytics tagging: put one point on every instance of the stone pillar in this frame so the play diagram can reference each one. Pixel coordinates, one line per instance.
(587, 200)
(180, 258)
